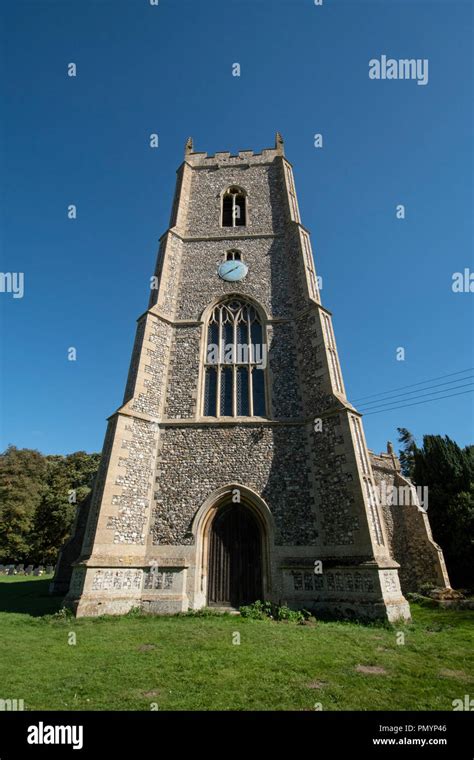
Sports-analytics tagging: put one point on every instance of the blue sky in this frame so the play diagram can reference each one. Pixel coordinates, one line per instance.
(167, 69)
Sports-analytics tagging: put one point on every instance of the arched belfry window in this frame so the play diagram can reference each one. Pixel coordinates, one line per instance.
(234, 210)
(235, 361)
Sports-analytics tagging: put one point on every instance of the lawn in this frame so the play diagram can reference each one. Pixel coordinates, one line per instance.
(191, 663)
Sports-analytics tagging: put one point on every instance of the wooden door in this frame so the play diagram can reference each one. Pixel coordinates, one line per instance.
(235, 558)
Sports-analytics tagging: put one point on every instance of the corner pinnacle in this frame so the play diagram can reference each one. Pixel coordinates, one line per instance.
(279, 145)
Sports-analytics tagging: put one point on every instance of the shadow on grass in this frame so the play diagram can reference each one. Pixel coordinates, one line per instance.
(29, 597)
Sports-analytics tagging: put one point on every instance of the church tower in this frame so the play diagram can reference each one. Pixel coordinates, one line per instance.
(235, 469)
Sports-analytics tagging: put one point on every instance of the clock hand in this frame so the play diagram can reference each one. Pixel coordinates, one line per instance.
(232, 270)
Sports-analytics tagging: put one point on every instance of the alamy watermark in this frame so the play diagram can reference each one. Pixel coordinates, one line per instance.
(400, 496)
(11, 705)
(12, 282)
(463, 282)
(49, 734)
(404, 68)
(463, 704)
(237, 353)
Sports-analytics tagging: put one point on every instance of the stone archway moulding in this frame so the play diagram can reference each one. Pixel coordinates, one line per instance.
(203, 520)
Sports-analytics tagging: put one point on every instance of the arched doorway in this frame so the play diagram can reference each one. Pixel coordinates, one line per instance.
(235, 557)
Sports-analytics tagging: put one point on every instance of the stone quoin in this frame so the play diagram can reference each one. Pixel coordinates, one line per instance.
(216, 487)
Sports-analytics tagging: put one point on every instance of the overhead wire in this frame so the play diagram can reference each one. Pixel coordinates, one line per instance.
(413, 385)
(384, 402)
(416, 403)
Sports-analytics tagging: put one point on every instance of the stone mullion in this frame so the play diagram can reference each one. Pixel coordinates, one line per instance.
(218, 379)
(249, 365)
(234, 366)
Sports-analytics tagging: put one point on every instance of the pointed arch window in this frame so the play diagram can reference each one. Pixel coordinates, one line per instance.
(235, 361)
(234, 211)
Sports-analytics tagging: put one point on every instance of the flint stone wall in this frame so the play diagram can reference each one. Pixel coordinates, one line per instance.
(262, 183)
(195, 461)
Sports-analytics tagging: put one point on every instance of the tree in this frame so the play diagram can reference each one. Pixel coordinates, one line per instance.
(69, 480)
(407, 454)
(22, 485)
(38, 500)
(54, 515)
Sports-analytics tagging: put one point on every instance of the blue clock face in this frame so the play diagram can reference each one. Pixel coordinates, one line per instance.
(232, 271)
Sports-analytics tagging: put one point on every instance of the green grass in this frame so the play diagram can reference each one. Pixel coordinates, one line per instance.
(190, 663)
